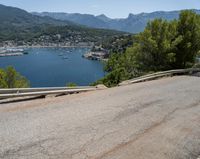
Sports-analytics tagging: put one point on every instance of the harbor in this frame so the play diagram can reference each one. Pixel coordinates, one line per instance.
(55, 67)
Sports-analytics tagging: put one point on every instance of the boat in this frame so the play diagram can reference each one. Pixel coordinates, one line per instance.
(65, 57)
(60, 54)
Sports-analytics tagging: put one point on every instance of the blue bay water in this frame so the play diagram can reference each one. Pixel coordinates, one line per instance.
(53, 67)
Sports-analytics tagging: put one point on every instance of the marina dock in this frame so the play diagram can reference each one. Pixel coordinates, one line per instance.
(12, 52)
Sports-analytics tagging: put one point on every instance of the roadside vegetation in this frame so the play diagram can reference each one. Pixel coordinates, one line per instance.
(71, 84)
(163, 45)
(10, 78)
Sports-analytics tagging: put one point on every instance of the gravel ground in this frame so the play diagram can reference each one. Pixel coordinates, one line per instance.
(152, 120)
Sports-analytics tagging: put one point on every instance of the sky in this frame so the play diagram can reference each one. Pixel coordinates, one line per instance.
(111, 8)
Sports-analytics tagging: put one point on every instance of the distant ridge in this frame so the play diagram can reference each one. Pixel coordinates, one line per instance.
(134, 23)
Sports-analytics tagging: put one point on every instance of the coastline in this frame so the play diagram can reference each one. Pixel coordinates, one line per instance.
(46, 46)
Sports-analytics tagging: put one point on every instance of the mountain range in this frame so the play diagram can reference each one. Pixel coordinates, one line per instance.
(19, 25)
(134, 23)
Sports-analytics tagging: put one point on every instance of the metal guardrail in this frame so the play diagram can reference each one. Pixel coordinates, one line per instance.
(33, 92)
(159, 75)
(24, 92)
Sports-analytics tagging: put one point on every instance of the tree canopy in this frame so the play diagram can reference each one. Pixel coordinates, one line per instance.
(163, 45)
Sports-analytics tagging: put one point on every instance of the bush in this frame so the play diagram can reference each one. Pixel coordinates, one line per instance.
(10, 78)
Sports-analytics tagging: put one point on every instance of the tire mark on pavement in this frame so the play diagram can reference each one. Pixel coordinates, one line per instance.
(146, 131)
(131, 111)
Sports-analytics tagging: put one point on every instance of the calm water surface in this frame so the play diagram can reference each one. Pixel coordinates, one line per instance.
(52, 67)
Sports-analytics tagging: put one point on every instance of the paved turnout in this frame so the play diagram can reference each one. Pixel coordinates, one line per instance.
(153, 120)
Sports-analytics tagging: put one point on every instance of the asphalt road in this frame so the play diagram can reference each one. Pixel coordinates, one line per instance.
(153, 120)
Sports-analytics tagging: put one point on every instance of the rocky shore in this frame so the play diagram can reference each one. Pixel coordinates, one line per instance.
(96, 55)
